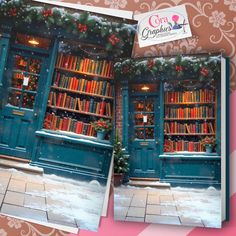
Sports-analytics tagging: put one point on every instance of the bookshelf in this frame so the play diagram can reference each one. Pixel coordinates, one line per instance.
(81, 92)
(189, 116)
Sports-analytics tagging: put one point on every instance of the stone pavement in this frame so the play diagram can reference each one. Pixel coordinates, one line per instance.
(52, 199)
(177, 206)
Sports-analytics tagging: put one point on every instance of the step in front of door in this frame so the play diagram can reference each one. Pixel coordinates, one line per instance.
(151, 184)
(19, 164)
(12, 158)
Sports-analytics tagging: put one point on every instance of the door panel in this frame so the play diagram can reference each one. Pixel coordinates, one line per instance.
(144, 135)
(25, 74)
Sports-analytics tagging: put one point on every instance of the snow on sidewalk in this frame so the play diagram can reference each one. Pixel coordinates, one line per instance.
(177, 206)
(51, 199)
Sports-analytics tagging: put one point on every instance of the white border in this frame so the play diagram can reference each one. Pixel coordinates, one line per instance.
(223, 138)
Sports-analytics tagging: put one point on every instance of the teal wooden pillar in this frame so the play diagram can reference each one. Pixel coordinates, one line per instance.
(43, 108)
(161, 133)
(4, 45)
(125, 114)
(50, 69)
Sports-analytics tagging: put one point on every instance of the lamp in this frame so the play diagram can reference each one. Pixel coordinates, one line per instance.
(145, 88)
(33, 42)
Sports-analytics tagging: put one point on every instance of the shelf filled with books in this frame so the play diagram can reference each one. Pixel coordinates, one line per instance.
(81, 93)
(189, 117)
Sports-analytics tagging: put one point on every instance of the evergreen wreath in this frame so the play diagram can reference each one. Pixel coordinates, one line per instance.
(83, 25)
(177, 67)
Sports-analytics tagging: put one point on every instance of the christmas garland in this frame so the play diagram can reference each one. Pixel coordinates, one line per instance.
(84, 25)
(163, 68)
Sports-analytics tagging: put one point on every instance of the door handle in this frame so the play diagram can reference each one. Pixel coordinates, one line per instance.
(157, 142)
(35, 114)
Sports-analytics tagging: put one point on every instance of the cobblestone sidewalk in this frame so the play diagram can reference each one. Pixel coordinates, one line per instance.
(177, 206)
(51, 199)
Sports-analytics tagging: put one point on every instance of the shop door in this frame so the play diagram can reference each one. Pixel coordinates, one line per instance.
(23, 87)
(144, 136)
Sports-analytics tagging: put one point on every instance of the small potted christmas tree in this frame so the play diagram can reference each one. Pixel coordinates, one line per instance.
(121, 165)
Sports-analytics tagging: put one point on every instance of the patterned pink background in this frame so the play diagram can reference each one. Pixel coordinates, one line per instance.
(213, 24)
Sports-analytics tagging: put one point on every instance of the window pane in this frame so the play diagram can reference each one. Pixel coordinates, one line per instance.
(139, 133)
(28, 101)
(149, 133)
(14, 98)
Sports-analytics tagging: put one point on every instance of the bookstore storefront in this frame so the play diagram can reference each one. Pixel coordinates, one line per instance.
(57, 89)
(170, 113)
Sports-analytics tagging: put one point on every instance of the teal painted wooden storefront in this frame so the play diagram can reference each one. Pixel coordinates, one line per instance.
(155, 150)
(25, 106)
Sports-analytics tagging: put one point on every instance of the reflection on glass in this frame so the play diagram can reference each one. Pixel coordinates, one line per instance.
(34, 66)
(17, 80)
(20, 62)
(139, 105)
(139, 119)
(139, 133)
(28, 101)
(14, 98)
(150, 119)
(149, 133)
(149, 106)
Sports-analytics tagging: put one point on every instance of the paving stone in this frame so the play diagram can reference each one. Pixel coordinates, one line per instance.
(3, 188)
(135, 219)
(153, 199)
(1, 198)
(14, 198)
(119, 218)
(24, 212)
(162, 219)
(212, 224)
(52, 203)
(34, 188)
(181, 196)
(120, 210)
(53, 187)
(139, 201)
(4, 180)
(56, 216)
(190, 221)
(141, 192)
(167, 199)
(64, 223)
(35, 202)
(17, 185)
(122, 201)
(136, 211)
(19, 176)
(169, 210)
(153, 210)
(5, 174)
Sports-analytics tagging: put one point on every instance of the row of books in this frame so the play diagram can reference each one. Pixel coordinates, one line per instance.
(99, 108)
(85, 65)
(18, 75)
(63, 100)
(194, 112)
(179, 128)
(83, 85)
(54, 122)
(201, 95)
(182, 145)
